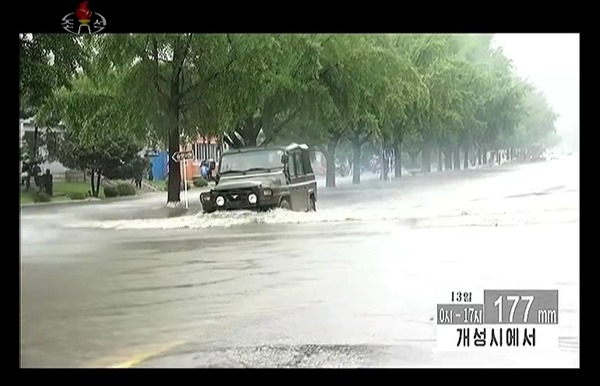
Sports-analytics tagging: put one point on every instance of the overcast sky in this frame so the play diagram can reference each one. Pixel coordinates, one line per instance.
(551, 62)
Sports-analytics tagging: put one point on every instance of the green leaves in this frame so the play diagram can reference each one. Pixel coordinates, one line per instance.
(537, 127)
(394, 88)
(47, 62)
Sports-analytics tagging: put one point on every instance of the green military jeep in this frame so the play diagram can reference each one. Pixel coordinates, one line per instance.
(263, 178)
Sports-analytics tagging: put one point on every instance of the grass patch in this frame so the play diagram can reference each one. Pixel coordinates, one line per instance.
(63, 187)
(160, 184)
(61, 191)
(27, 198)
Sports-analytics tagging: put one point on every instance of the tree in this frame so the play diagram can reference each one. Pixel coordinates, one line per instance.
(408, 94)
(537, 128)
(430, 56)
(503, 107)
(327, 120)
(46, 63)
(97, 154)
(271, 82)
(396, 91)
(103, 128)
(178, 76)
(348, 94)
(132, 167)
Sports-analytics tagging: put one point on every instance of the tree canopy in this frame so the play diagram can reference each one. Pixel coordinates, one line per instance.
(402, 91)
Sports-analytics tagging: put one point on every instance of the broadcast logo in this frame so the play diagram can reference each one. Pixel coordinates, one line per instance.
(83, 20)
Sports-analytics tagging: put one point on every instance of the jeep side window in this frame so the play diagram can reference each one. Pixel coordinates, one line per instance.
(306, 165)
(292, 166)
(299, 164)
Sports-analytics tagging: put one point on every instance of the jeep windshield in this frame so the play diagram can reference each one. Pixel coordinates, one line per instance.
(251, 161)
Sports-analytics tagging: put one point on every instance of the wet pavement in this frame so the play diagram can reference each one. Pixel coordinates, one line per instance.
(136, 284)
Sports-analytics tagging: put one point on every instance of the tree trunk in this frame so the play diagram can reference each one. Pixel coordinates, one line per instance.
(426, 158)
(174, 120)
(356, 145)
(397, 160)
(479, 157)
(32, 160)
(466, 160)
(250, 140)
(92, 180)
(456, 155)
(35, 142)
(413, 159)
(439, 163)
(249, 132)
(174, 183)
(330, 164)
(385, 170)
(98, 177)
(250, 135)
(447, 160)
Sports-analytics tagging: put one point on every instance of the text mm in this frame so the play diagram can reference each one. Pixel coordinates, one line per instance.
(546, 316)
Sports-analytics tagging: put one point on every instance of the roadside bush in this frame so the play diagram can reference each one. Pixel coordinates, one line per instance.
(126, 189)
(77, 195)
(41, 197)
(200, 182)
(110, 191)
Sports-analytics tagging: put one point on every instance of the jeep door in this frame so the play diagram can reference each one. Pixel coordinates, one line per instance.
(299, 181)
(293, 179)
(309, 176)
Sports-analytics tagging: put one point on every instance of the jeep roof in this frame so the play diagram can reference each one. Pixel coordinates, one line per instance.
(251, 149)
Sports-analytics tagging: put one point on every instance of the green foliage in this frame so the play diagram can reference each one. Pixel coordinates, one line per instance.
(133, 169)
(200, 182)
(77, 195)
(41, 197)
(537, 128)
(46, 63)
(97, 153)
(125, 189)
(390, 89)
(110, 192)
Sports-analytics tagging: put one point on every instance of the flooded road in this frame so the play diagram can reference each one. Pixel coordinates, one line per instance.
(135, 284)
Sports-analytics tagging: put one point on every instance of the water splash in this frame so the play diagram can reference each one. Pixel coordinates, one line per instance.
(235, 218)
(452, 215)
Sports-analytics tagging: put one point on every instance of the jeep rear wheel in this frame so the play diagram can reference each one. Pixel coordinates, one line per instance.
(285, 204)
(312, 204)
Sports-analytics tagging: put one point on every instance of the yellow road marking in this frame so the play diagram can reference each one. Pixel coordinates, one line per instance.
(137, 358)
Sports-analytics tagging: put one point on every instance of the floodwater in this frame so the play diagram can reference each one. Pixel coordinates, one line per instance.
(136, 284)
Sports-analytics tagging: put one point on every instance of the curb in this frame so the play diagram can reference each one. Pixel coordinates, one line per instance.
(88, 201)
(92, 201)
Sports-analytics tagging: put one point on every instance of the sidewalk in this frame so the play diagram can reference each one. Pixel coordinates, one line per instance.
(91, 200)
(86, 201)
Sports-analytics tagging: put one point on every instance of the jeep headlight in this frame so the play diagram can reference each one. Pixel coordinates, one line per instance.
(267, 192)
(205, 197)
(252, 198)
(220, 201)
